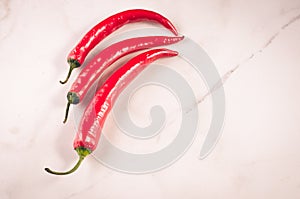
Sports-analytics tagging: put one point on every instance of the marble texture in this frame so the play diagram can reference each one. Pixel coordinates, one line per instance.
(255, 46)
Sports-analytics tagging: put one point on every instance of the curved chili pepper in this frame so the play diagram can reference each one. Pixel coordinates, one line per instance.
(105, 58)
(95, 114)
(106, 27)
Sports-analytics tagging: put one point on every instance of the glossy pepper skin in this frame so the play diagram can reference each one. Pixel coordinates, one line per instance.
(92, 71)
(78, 54)
(98, 109)
(96, 112)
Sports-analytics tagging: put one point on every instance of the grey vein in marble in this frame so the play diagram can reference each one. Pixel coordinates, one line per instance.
(228, 74)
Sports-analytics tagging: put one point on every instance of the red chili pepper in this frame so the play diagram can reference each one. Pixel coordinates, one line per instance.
(106, 27)
(94, 116)
(105, 58)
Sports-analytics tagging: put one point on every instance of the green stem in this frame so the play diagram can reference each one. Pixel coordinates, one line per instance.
(82, 152)
(67, 112)
(67, 172)
(73, 98)
(73, 64)
(68, 76)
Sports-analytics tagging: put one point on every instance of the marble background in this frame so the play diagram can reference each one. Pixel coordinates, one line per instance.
(255, 46)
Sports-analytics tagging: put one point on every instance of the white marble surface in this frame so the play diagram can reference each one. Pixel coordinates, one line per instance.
(255, 45)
